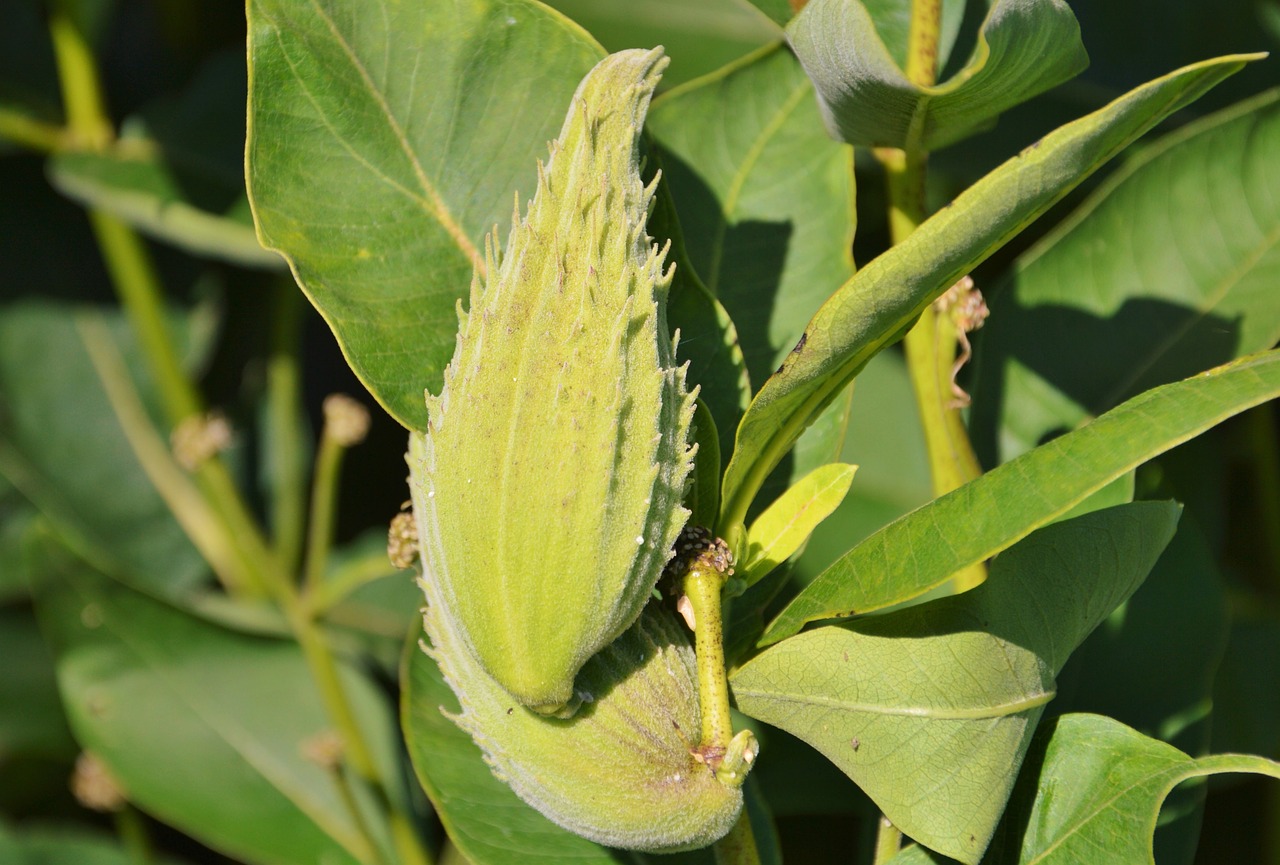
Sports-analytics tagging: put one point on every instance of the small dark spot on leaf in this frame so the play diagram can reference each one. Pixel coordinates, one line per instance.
(804, 337)
(509, 711)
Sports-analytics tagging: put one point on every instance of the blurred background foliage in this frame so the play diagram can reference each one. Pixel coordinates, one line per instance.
(174, 81)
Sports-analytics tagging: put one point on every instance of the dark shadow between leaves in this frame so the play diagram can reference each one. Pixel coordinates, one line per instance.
(1076, 353)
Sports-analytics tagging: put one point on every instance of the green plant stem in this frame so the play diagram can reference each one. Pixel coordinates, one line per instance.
(133, 835)
(286, 443)
(31, 133)
(372, 854)
(324, 495)
(702, 586)
(82, 100)
(888, 841)
(138, 287)
(931, 344)
(356, 751)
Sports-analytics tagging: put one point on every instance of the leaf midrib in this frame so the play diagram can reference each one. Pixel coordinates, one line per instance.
(430, 199)
(975, 713)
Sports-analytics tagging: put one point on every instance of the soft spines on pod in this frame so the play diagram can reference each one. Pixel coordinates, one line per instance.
(557, 452)
(623, 770)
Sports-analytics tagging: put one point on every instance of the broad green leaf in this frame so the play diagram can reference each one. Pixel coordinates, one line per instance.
(787, 523)
(484, 818)
(879, 304)
(63, 449)
(1118, 492)
(1096, 793)
(1024, 48)
(698, 37)
(385, 140)
(764, 198)
(931, 709)
(1170, 268)
(921, 550)
(69, 844)
(182, 711)
(177, 172)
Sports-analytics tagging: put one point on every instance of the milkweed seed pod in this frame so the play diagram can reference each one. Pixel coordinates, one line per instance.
(557, 451)
(622, 770)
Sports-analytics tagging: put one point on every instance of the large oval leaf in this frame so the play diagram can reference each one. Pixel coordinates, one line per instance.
(1168, 269)
(385, 140)
(921, 550)
(931, 709)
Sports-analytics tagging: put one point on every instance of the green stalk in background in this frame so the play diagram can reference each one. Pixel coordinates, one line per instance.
(931, 343)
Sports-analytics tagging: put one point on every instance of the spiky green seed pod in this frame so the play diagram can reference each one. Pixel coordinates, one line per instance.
(623, 770)
(557, 452)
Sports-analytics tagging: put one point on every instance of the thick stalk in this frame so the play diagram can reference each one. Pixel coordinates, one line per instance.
(702, 586)
(324, 493)
(133, 835)
(888, 841)
(28, 132)
(286, 440)
(931, 344)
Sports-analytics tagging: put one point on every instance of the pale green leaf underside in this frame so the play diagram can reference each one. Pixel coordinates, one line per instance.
(1024, 48)
(1098, 793)
(880, 302)
(931, 709)
(922, 549)
(1170, 268)
(385, 140)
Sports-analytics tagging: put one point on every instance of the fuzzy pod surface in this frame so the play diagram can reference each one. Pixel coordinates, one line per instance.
(548, 492)
(621, 771)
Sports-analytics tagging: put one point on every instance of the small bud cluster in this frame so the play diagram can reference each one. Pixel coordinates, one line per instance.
(697, 547)
(199, 438)
(345, 420)
(402, 540)
(94, 787)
